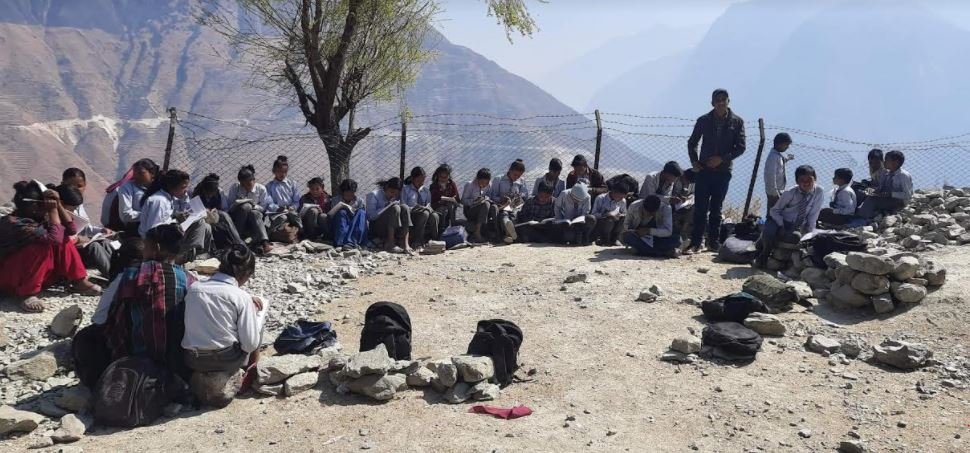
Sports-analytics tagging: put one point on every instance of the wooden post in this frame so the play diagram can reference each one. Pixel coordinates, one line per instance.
(172, 118)
(599, 140)
(404, 142)
(754, 171)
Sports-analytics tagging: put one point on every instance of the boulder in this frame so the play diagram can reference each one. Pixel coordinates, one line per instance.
(686, 344)
(852, 347)
(381, 387)
(66, 321)
(17, 421)
(474, 368)
(72, 430)
(485, 391)
(835, 260)
(912, 241)
(883, 303)
(908, 293)
(216, 388)
(870, 264)
(815, 277)
(777, 295)
(421, 378)
(846, 296)
(446, 370)
(459, 393)
(906, 268)
(869, 284)
(36, 368)
(822, 344)
(844, 275)
(275, 369)
(375, 361)
(404, 367)
(901, 354)
(852, 446)
(934, 274)
(332, 358)
(804, 291)
(74, 399)
(300, 383)
(765, 324)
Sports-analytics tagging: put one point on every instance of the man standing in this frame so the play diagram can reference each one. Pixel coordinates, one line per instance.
(723, 141)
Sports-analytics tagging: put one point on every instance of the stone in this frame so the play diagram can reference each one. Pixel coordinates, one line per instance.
(18, 421)
(421, 378)
(74, 399)
(870, 264)
(805, 433)
(332, 358)
(217, 388)
(917, 281)
(871, 285)
(845, 296)
(908, 293)
(844, 275)
(36, 368)
(66, 321)
(404, 367)
(901, 354)
(889, 221)
(852, 347)
(485, 391)
(765, 324)
(459, 393)
(686, 344)
(446, 370)
(911, 241)
(815, 277)
(822, 344)
(375, 361)
(269, 389)
(275, 369)
(350, 273)
(883, 303)
(923, 219)
(852, 446)
(381, 387)
(781, 254)
(774, 265)
(575, 278)
(777, 295)
(207, 267)
(835, 260)
(647, 296)
(72, 430)
(934, 274)
(906, 267)
(474, 368)
(678, 357)
(296, 288)
(656, 290)
(804, 291)
(4, 339)
(300, 383)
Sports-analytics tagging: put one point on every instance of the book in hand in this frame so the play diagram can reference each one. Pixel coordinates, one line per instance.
(308, 206)
(580, 219)
(197, 211)
(451, 200)
(478, 201)
(393, 203)
(338, 206)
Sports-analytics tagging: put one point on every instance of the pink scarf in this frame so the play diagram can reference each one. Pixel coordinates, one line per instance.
(124, 178)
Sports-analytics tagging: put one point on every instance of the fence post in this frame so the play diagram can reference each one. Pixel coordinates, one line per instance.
(172, 118)
(754, 171)
(404, 142)
(599, 140)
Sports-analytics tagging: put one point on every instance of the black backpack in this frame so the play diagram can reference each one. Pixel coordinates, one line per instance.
(731, 341)
(132, 392)
(737, 251)
(838, 241)
(500, 340)
(735, 307)
(303, 336)
(387, 323)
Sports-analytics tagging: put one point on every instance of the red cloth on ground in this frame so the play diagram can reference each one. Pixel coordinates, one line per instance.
(38, 265)
(501, 412)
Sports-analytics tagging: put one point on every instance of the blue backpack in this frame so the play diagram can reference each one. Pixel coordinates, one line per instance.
(454, 235)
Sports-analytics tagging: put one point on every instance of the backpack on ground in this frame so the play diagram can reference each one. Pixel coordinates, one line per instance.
(500, 340)
(838, 241)
(737, 251)
(735, 307)
(731, 341)
(387, 323)
(303, 336)
(132, 391)
(454, 236)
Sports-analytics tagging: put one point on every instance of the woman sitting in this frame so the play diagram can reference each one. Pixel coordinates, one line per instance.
(35, 247)
(389, 219)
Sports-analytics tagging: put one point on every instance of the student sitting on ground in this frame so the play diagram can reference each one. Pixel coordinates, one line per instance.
(224, 232)
(682, 204)
(876, 163)
(96, 253)
(284, 219)
(223, 322)
(35, 247)
(842, 204)
(313, 205)
(348, 217)
(776, 180)
(477, 205)
(610, 214)
(508, 194)
(390, 220)
(574, 224)
(552, 179)
(661, 183)
(167, 203)
(649, 228)
(248, 203)
(445, 198)
(582, 171)
(629, 182)
(537, 209)
(417, 198)
(795, 214)
(128, 200)
(894, 191)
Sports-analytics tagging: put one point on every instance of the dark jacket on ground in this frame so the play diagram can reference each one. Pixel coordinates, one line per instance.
(729, 144)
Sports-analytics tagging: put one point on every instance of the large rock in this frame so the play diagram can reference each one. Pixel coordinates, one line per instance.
(217, 388)
(934, 274)
(815, 277)
(845, 296)
(908, 293)
(300, 383)
(485, 391)
(332, 358)
(822, 344)
(872, 285)
(36, 368)
(421, 378)
(375, 361)
(686, 344)
(474, 368)
(459, 393)
(907, 267)
(66, 321)
(275, 369)
(765, 324)
(835, 260)
(901, 354)
(17, 421)
(803, 290)
(844, 275)
(446, 370)
(777, 295)
(870, 264)
(74, 399)
(883, 303)
(381, 387)
(72, 430)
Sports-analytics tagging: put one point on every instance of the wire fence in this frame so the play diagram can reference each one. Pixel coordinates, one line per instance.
(616, 143)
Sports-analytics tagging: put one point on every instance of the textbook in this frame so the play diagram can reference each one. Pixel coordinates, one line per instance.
(337, 207)
(393, 203)
(449, 199)
(577, 220)
(198, 212)
(684, 205)
(478, 201)
(241, 201)
(306, 207)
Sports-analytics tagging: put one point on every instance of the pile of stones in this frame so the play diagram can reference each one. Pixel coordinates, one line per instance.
(895, 353)
(883, 282)
(933, 218)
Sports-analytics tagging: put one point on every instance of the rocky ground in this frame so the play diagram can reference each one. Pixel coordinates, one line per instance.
(599, 384)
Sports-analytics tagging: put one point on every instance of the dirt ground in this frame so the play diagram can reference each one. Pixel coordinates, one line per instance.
(596, 353)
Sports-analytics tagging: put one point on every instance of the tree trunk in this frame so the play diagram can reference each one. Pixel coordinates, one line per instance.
(339, 167)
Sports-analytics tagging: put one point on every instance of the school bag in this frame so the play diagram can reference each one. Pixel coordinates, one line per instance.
(735, 307)
(731, 341)
(387, 323)
(303, 336)
(500, 340)
(738, 251)
(839, 241)
(131, 392)
(454, 236)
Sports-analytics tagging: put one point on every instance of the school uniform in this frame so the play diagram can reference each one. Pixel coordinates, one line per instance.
(795, 211)
(533, 211)
(160, 209)
(610, 219)
(684, 215)
(775, 177)
(249, 217)
(558, 185)
(425, 220)
(286, 197)
(503, 187)
(899, 187)
(654, 185)
(224, 232)
(129, 206)
(660, 239)
(316, 223)
(348, 227)
(477, 204)
(568, 207)
(397, 216)
(95, 254)
(447, 211)
(842, 206)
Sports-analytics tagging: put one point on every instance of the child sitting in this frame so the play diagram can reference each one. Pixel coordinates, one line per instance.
(537, 209)
(284, 221)
(312, 205)
(894, 190)
(842, 202)
(389, 219)
(348, 217)
(508, 194)
(574, 224)
(166, 203)
(248, 203)
(649, 228)
(661, 183)
(477, 206)
(444, 196)
(682, 204)
(224, 232)
(552, 179)
(795, 214)
(417, 198)
(610, 214)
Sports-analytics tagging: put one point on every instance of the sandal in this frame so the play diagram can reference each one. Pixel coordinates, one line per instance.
(89, 290)
(32, 304)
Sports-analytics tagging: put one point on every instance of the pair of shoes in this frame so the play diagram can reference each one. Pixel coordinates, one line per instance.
(693, 250)
(509, 228)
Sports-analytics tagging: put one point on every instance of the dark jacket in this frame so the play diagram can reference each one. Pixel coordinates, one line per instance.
(729, 145)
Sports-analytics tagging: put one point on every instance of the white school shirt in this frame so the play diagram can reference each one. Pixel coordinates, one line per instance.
(100, 315)
(473, 192)
(651, 185)
(284, 193)
(375, 202)
(91, 229)
(129, 202)
(259, 195)
(775, 178)
(416, 197)
(568, 208)
(506, 187)
(843, 200)
(604, 206)
(159, 209)
(786, 209)
(636, 218)
(900, 182)
(218, 313)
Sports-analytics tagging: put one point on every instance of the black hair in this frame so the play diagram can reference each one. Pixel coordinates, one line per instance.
(415, 173)
(805, 170)
(314, 181)
(555, 164)
(897, 156)
(167, 236)
(208, 184)
(651, 203)
(483, 173)
(844, 174)
(393, 183)
(875, 153)
(70, 195)
(544, 187)
(238, 262)
(689, 174)
(443, 168)
(246, 173)
(146, 164)
(518, 165)
(347, 185)
(167, 181)
(672, 168)
(719, 92)
(280, 162)
(782, 138)
(132, 252)
(24, 190)
(73, 173)
(579, 159)
(622, 182)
